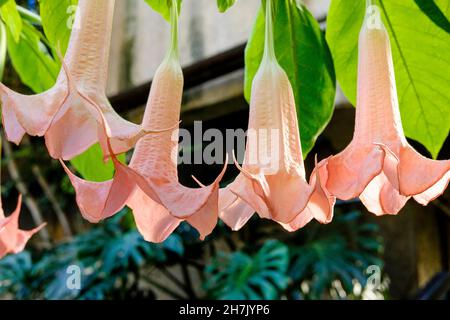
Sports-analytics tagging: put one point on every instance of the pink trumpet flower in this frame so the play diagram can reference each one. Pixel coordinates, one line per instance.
(272, 179)
(60, 114)
(379, 166)
(12, 239)
(149, 185)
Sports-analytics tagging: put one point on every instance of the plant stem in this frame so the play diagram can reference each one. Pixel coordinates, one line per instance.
(269, 50)
(173, 50)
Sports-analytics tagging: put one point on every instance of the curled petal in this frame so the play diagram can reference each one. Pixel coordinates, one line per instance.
(180, 201)
(381, 198)
(32, 114)
(350, 171)
(285, 198)
(320, 205)
(234, 211)
(100, 200)
(12, 239)
(153, 221)
(13, 130)
(422, 178)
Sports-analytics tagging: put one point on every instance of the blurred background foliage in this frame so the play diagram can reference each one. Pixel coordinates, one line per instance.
(116, 263)
(337, 261)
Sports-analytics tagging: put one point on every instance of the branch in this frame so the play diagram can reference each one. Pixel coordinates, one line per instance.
(53, 201)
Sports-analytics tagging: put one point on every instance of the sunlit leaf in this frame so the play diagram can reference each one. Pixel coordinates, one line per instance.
(91, 167)
(163, 7)
(11, 17)
(224, 5)
(35, 66)
(57, 20)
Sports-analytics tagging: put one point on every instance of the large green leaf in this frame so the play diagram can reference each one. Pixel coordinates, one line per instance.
(57, 19)
(302, 51)
(91, 166)
(31, 60)
(10, 15)
(224, 5)
(421, 59)
(239, 276)
(163, 7)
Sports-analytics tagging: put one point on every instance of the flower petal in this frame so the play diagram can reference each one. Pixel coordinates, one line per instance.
(153, 221)
(12, 239)
(350, 171)
(423, 178)
(234, 211)
(100, 200)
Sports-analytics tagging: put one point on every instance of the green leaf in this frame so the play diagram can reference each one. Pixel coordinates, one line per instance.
(163, 7)
(30, 16)
(302, 51)
(420, 52)
(10, 15)
(430, 8)
(31, 60)
(240, 276)
(224, 5)
(91, 167)
(3, 49)
(57, 20)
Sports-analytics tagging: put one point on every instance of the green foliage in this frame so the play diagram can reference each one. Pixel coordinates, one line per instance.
(238, 276)
(57, 20)
(224, 5)
(10, 15)
(3, 49)
(31, 59)
(303, 53)
(422, 71)
(107, 256)
(318, 263)
(342, 252)
(163, 7)
(14, 275)
(91, 166)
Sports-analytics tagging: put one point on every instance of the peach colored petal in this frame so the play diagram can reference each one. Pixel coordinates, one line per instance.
(153, 221)
(13, 130)
(100, 200)
(423, 178)
(320, 205)
(32, 114)
(12, 239)
(234, 211)
(353, 169)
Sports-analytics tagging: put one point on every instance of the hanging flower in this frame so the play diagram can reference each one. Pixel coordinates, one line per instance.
(12, 239)
(379, 166)
(65, 119)
(149, 185)
(272, 179)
